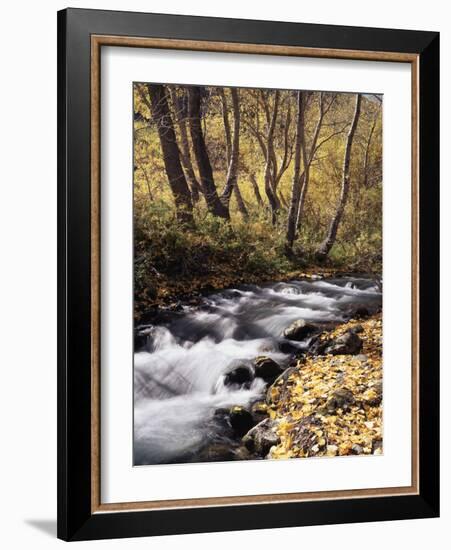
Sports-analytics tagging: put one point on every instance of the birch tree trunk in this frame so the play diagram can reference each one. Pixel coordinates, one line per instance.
(296, 182)
(232, 151)
(331, 236)
(273, 200)
(185, 151)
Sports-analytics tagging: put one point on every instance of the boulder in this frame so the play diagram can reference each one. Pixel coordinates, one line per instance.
(346, 344)
(240, 376)
(340, 399)
(318, 346)
(259, 411)
(217, 452)
(376, 391)
(267, 368)
(262, 437)
(361, 313)
(241, 453)
(299, 330)
(241, 420)
(288, 348)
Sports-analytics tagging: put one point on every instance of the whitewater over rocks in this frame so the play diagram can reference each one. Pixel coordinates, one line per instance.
(195, 365)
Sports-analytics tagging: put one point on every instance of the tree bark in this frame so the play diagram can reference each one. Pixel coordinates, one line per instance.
(256, 189)
(273, 200)
(171, 155)
(297, 180)
(185, 154)
(331, 236)
(234, 151)
(214, 204)
(308, 158)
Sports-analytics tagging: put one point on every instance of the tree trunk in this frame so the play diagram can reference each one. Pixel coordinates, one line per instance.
(273, 200)
(214, 204)
(297, 181)
(171, 155)
(366, 161)
(329, 241)
(308, 158)
(240, 202)
(232, 172)
(185, 152)
(256, 189)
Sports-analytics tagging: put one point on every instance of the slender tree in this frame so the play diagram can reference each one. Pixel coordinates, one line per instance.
(161, 116)
(185, 153)
(331, 236)
(233, 151)
(269, 190)
(296, 182)
(214, 204)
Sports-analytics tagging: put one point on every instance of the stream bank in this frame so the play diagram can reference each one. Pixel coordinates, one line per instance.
(259, 371)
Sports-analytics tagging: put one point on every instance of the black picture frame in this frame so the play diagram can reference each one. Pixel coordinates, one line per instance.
(76, 521)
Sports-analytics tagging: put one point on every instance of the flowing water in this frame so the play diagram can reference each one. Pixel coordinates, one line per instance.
(179, 372)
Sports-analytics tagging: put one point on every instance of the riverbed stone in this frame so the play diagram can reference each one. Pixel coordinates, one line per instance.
(262, 437)
(361, 312)
(259, 411)
(241, 453)
(241, 420)
(217, 452)
(342, 398)
(240, 375)
(267, 368)
(299, 330)
(346, 344)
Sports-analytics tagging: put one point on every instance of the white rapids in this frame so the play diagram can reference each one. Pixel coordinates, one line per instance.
(179, 373)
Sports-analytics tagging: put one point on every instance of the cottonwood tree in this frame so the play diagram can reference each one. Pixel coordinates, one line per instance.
(180, 108)
(156, 100)
(275, 108)
(214, 204)
(331, 236)
(307, 152)
(232, 150)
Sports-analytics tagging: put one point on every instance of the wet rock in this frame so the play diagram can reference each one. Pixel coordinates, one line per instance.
(376, 391)
(259, 411)
(262, 437)
(267, 368)
(317, 346)
(241, 420)
(346, 344)
(241, 453)
(217, 452)
(141, 336)
(340, 399)
(285, 375)
(361, 313)
(288, 348)
(299, 330)
(240, 375)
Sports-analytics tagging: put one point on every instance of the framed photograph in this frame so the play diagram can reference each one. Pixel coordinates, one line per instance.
(248, 274)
